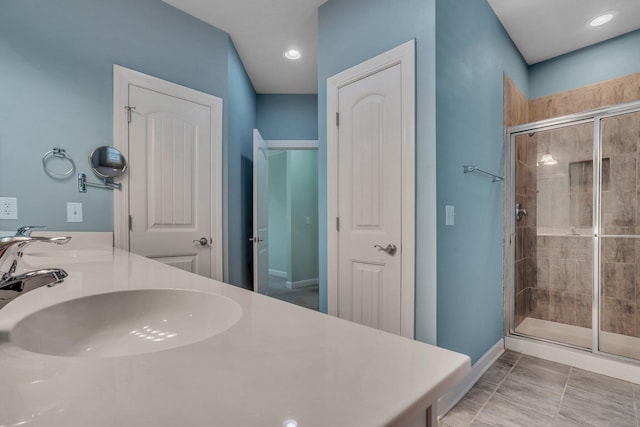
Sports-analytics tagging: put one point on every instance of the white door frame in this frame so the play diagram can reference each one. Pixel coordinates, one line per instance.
(279, 144)
(405, 56)
(122, 78)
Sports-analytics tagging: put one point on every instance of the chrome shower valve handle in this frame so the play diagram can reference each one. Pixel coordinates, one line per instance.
(520, 212)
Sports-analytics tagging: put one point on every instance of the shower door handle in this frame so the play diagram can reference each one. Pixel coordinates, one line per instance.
(520, 212)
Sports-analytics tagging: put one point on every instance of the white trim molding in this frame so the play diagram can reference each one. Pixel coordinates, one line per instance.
(122, 79)
(301, 283)
(405, 56)
(292, 144)
(449, 400)
(278, 273)
(605, 365)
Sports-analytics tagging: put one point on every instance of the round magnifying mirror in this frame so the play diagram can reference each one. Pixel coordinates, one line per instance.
(108, 162)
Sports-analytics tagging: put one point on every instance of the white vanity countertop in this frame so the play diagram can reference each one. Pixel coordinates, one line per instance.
(279, 362)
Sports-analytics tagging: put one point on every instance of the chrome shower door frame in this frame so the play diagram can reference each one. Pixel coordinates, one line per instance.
(595, 117)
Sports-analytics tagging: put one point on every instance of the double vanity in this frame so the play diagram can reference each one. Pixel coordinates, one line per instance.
(127, 341)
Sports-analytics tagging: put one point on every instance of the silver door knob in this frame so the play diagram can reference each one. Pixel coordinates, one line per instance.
(255, 239)
(203, 241)
(391, 249)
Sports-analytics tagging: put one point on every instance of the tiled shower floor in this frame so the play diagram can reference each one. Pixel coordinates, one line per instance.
(618, 344)
(520, 390)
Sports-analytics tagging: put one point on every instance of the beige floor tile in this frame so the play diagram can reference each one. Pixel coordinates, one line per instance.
(531, 392)
(538, 398)
(501, 412)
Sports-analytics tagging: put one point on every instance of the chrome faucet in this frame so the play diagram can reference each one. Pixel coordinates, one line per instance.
(28, 229)
(13, 285)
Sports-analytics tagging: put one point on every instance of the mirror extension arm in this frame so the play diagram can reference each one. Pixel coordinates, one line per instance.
(83, 184)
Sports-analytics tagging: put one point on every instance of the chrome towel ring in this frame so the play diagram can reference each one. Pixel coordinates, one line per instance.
(57, 153)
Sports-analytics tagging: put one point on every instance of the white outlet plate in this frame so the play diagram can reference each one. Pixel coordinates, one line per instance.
(74, 212)
(8, 208)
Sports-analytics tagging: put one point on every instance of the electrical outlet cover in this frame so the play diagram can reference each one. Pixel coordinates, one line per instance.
(8, 208)
(74, 212)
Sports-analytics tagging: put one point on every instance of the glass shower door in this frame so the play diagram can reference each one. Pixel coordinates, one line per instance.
(619, 296)
(553, 227)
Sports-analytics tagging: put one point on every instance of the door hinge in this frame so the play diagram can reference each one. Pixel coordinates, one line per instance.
(130, 223)
(337, 119)
(337, 223)
(128, 109)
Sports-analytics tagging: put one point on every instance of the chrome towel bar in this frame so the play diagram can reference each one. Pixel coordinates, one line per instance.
(470, 168)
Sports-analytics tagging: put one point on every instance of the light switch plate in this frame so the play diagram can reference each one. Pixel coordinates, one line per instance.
(8, 208)
(450, 215)
(74, 212)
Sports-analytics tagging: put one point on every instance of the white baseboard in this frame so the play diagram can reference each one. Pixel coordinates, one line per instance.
(620, 369)
(449, 400)
(278, 273)
(301, 283)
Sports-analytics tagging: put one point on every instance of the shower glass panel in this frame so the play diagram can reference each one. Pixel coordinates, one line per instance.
(619, 231)
(553, 253)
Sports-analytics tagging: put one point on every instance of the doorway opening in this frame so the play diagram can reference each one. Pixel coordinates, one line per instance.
(286, 221)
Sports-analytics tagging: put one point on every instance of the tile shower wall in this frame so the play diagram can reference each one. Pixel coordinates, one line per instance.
(610, 92)
(620, 256)
(516, 106)
(525, 242)
(563, 289)
(553, 271)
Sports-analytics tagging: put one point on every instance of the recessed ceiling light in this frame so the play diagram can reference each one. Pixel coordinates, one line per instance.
(602, 19)
(292, 54)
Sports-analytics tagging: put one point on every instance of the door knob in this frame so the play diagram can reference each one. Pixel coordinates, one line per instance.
(203, 241)
(255, 239)
(390, 249)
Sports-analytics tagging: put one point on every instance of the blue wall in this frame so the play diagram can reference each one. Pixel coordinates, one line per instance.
(351, 31)
(56, 90)
(287, 116)
(462, 52)
(604, 61)
(56, 86)
(472, 53)
(240, 122)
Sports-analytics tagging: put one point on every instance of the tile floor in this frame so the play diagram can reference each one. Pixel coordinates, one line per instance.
(307, 296)
(520, 390)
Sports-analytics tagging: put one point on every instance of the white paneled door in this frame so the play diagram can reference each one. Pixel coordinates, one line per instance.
(260, 237)
(371, 192)
(170, 181)
(369, 200)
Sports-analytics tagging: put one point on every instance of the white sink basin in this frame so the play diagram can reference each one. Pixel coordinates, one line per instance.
(125, 323)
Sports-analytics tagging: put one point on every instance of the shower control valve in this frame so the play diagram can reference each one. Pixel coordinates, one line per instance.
(520, 212)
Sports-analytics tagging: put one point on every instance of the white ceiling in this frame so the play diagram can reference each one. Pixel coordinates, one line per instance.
(262, 30)
(544, 29)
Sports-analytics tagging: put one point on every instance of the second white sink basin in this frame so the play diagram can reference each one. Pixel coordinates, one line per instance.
(125, 323)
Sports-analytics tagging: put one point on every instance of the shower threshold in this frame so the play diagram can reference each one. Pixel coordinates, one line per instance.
(617, 344)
